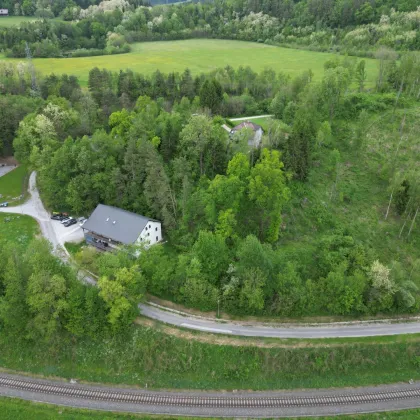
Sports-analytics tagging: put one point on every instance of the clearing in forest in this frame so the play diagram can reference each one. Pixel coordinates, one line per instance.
(199, 55)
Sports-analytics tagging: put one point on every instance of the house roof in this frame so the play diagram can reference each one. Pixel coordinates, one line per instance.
(247, 124)
(116, 224)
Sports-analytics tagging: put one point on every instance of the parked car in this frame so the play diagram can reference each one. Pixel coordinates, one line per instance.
(70, 222)
(5, 204)
(59, 215)
(81, 220)
(65, 220)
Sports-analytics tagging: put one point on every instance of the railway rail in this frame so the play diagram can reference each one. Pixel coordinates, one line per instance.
(194, 403)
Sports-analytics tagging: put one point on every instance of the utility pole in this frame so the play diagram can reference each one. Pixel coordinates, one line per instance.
(31, 67)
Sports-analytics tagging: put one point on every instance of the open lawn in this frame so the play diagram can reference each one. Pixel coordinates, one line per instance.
(13, 184)
(17, 228)
(8, 21)
(199, 55)
(15, 409)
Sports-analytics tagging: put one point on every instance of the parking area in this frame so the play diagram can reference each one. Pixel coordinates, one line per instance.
(64, 234)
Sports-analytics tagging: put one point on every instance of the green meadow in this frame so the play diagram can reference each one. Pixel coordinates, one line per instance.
(199, 55)
(6, 22)
(17, 228)
(13, 184)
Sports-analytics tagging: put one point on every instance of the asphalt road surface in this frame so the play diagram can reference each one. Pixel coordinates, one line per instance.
(248, 329)
(52, 230)
(215, 404)
(57, 235)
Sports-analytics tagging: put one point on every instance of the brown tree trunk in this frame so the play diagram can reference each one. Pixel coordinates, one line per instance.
(412, 222)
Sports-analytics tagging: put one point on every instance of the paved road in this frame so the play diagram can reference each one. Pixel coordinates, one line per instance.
(249, 329)
(215, 404)
(54, 231)
(5, 169)
(57, 235)
(248, 118)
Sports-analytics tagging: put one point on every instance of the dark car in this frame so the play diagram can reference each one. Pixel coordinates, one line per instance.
(59, 216)
(4, 204)
(70, 222)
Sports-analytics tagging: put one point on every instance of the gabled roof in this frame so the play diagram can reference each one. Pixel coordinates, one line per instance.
(247, 124)
(116, 224)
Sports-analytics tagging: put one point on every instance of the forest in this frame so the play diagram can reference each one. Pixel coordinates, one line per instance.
(85, 28)
(278, 230)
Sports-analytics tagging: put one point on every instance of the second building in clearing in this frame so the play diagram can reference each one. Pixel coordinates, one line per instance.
(110, 227)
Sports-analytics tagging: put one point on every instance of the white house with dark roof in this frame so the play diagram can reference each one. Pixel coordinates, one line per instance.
(109, 227)
(258, 131)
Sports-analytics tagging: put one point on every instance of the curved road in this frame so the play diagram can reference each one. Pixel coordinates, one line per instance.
(249, 329)
(34, 207)
(215, 404)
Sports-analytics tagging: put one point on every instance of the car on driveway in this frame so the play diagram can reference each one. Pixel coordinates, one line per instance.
(70, 222)
(81, 220)
(65, 219)
(5, 204)
(59, 216)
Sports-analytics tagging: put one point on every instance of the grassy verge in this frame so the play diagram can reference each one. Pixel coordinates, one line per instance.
(14, 184)
(16, 228)
(146, 356)
(14, 409)
(199, 55)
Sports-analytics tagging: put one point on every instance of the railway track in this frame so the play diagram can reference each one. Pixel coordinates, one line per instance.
(227, 404)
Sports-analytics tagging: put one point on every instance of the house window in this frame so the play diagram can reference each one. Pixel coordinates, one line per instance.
(157, 238)
(150, 226)
(148, 234)
(146, 228)
(156, 229)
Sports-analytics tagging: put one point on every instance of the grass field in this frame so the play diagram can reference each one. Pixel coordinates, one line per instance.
(199, 55)
(6, 22)
(13, 184)
(14, 409)
(149, 356)
(16, 228)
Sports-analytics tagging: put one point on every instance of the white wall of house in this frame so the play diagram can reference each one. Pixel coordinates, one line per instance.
(151, 234)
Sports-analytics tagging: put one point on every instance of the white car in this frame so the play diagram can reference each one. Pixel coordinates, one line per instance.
(81, 220)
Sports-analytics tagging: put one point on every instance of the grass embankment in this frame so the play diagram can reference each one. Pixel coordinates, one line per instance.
(199, 55)
(14, 184)
(14, 409)
(16, 228)
(147, 356)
